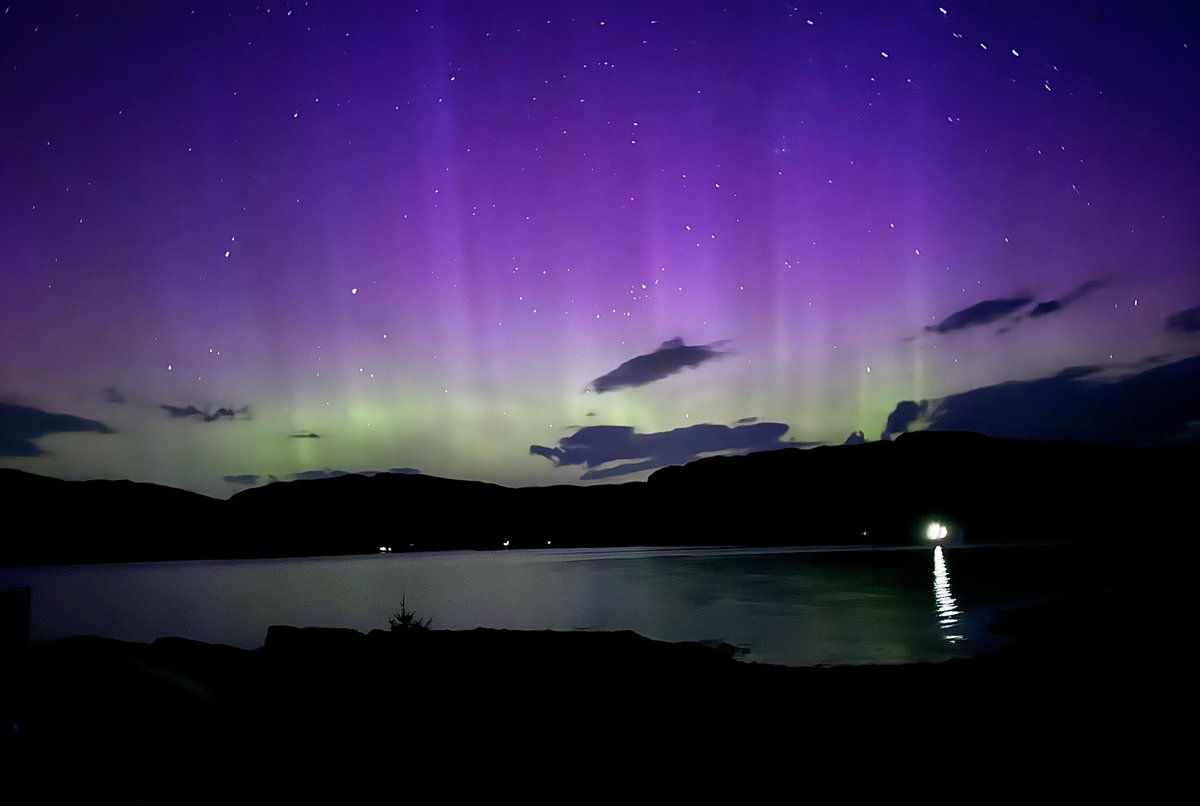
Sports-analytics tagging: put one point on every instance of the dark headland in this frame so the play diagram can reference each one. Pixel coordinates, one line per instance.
(1074, 705)
(879, 493)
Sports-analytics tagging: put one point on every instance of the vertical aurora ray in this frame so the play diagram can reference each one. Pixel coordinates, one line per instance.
(420, 233)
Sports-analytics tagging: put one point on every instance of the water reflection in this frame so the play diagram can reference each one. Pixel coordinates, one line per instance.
(947, 608)
(798, 607)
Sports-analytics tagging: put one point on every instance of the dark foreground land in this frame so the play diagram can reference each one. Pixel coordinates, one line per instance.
(1091, 699)
(1088, 698)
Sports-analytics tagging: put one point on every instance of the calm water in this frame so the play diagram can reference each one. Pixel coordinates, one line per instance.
(793, 606)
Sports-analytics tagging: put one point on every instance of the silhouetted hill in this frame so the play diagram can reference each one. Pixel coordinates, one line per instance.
(987, 489)
(48, 520)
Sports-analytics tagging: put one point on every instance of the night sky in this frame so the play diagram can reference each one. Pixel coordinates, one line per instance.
(536, 243)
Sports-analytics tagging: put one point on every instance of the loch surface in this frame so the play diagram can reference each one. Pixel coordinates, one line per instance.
(787, 606)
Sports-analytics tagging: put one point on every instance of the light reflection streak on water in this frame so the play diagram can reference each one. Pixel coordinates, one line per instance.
(947, 608)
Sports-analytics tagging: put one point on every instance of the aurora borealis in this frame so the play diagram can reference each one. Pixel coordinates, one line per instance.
(530, 243)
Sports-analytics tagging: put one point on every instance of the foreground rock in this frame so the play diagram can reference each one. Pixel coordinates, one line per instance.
(180, 720)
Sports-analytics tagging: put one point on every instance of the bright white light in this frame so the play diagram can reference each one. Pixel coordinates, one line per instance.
(936, 531)
(947, 608)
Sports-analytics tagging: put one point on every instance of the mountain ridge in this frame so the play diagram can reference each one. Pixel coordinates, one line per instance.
(987, 489)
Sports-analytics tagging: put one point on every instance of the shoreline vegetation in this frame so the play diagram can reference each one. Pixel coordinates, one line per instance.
(1071, 686)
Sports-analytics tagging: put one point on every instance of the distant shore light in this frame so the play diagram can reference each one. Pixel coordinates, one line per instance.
(936, 531)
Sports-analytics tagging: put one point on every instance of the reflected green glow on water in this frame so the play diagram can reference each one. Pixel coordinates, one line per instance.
(787, 606)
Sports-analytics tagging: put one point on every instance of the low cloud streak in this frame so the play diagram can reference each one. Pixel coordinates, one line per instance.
(1156, 405)
(20, 426)
(1185, 321)
(183, 412)
(617, 450)
(671, 357)
(981, 313)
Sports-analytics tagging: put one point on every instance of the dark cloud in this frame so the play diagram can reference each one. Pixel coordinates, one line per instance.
(330, 473)
(671, 357)
(746, 421)
(1043, 308)
(857, 438)
(181, 411)
(112, 395)
(21, 425)
(1056, 305)
(981, 313)
(250, 479)
(625, 451)
(905, 413)
(1185, 321)
(206, 416)
(991, 310)
(327, 473)
(308, 435)
(1155, 405)
(1081, 291)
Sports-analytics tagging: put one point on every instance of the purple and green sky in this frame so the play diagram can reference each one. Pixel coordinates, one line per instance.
(533, 243)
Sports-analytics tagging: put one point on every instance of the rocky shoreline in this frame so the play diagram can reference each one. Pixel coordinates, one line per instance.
(122, 716)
